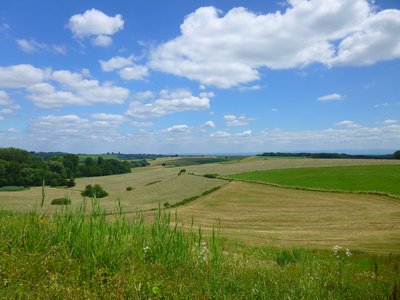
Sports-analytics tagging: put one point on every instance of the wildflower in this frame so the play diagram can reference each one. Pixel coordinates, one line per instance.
(348, 253)
(336, 249)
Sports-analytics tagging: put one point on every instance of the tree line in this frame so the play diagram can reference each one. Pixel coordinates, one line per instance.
(22, 168)
(396, 155)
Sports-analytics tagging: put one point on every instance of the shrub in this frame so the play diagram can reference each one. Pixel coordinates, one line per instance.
(210, 175)
(129, 188)
(95, 191)
(183, 171)
(70, 182)
(61, 201)
(397, 154)
(166, 205)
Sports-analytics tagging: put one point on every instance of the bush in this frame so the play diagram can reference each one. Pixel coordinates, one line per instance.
(397, 154)
(183, 171)
(70, 182)
(61, 201)
(95, 191)
(129, 188)
(210, 175)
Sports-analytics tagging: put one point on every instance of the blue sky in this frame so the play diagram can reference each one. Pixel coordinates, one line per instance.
(200, 76)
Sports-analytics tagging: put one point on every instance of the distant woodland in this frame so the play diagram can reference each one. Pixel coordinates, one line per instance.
(22, 168)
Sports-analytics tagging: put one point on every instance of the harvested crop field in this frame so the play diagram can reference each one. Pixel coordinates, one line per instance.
(150, 187)
(261, 214)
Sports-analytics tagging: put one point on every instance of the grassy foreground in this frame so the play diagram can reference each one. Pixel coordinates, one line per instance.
(74, 254)
(384, 179)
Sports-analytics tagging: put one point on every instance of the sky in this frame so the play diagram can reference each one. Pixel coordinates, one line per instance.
(189, 76)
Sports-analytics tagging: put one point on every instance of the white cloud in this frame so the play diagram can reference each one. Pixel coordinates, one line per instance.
(274, 110)
(135, 72)
(331, 97)
(220, 134)
(245, 133)
(168, 102)
(5, 99)
(348, 124)
(74, 89)
(33, 46)
(96, 24)
(6, 111)
(141, 124)
(101, 41)
(389, 122)
(208, 125)
(232, 120)
(177, 129)
(108, 117)
(250, 88)
(91, 91)
(1, 119)
(29, 46)
(20, 76)
(228, 50)
(116, 63)
(377, 40)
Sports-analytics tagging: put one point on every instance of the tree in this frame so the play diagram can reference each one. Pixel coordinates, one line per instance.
(94, 191)
(397, 154)
(71, 162)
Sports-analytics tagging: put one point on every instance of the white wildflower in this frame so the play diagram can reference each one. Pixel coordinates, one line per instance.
(336, 249)
(348, 252)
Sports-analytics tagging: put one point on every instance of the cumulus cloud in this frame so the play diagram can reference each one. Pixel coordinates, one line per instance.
(135, 72)
(220, 134)
(208, 125)
(245, 133)
(21, 76)
(96, 24)
(228, 50)
(331, 97)
(168, 102)
(128, 70)
(108, 117)
(101, 41)
(116, 63)
(177, 129)
(72, 88)
(5, 99)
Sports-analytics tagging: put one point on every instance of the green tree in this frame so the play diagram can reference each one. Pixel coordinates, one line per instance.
(397, 154)
(71, 162)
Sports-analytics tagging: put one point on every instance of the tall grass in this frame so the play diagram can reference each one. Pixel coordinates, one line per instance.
(85, 253)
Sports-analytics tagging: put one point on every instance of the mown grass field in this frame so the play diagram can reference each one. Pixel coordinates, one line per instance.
(266, 215)
(195, 160)
(255, 163)
(384, 179)
(167, 186)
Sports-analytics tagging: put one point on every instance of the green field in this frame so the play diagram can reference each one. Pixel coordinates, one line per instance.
(384, 179)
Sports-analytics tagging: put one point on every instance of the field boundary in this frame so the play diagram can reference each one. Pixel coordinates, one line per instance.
(310, 189)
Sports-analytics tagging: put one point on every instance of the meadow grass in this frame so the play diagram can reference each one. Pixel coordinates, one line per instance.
(384, 179)
(77, 254)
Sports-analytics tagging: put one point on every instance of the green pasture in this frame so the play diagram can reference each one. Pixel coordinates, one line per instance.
(384, 178)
